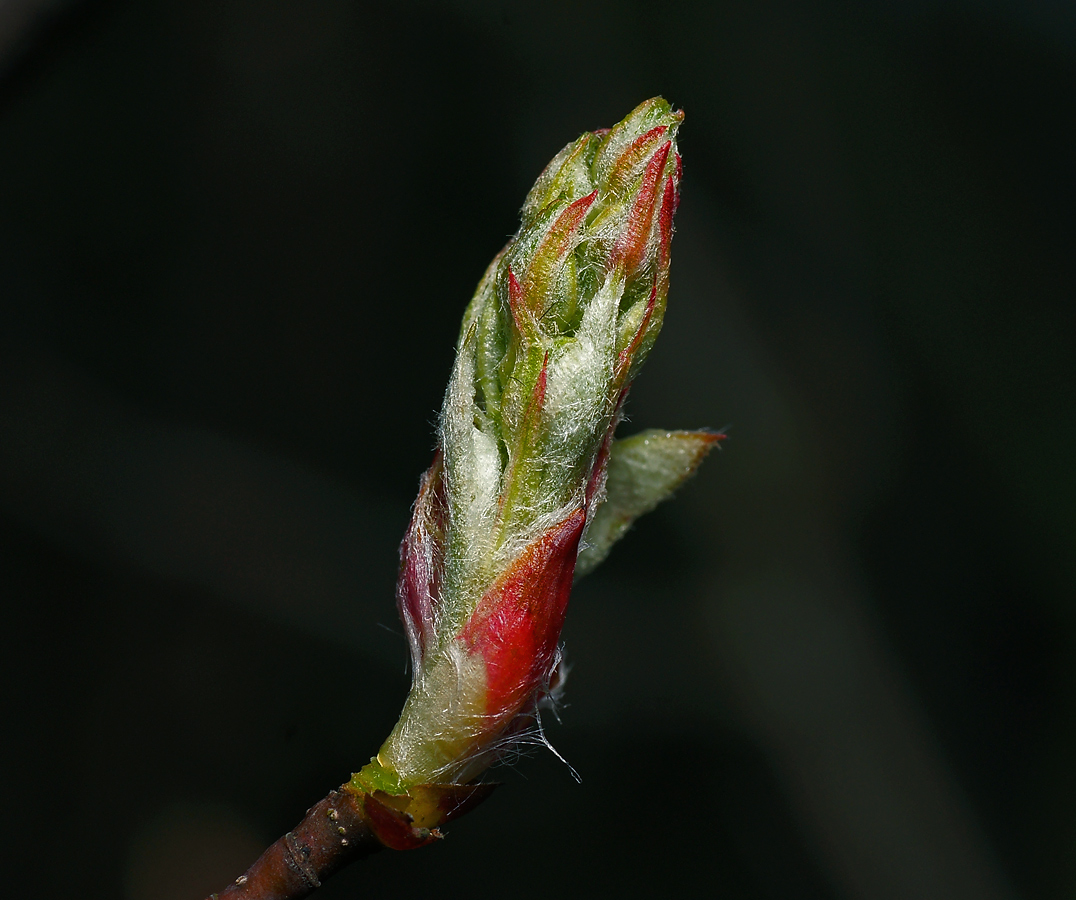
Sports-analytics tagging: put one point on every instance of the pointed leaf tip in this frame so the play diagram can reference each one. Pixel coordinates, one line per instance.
(644, 470)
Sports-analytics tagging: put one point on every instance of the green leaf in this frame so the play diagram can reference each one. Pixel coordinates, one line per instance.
(644, 469)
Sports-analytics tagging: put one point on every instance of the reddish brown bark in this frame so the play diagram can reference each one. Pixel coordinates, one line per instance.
(347, 826)
(332, 834)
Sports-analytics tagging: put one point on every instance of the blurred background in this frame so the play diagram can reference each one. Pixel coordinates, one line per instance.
(236, 240)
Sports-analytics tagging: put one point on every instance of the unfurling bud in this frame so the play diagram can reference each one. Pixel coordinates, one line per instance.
(558, 327)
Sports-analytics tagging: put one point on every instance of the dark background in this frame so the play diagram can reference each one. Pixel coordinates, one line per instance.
(235, 243)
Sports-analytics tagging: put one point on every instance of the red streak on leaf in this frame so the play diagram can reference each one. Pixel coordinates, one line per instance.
(517, 624)
(532, 415)
(601, 461)
(626, 167)
(515, 298)
(418, 585)
(526, 326)
(631, 245)
(623, 360)
(665, 222)
(554, 247)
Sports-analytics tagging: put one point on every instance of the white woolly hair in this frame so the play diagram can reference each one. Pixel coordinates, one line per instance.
(440, 736)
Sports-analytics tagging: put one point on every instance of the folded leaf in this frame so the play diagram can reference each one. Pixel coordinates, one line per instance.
(644, 469)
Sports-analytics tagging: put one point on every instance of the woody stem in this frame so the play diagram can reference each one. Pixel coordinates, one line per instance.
(332, 834)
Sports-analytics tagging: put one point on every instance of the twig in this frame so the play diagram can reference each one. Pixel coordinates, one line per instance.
(333, 833)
